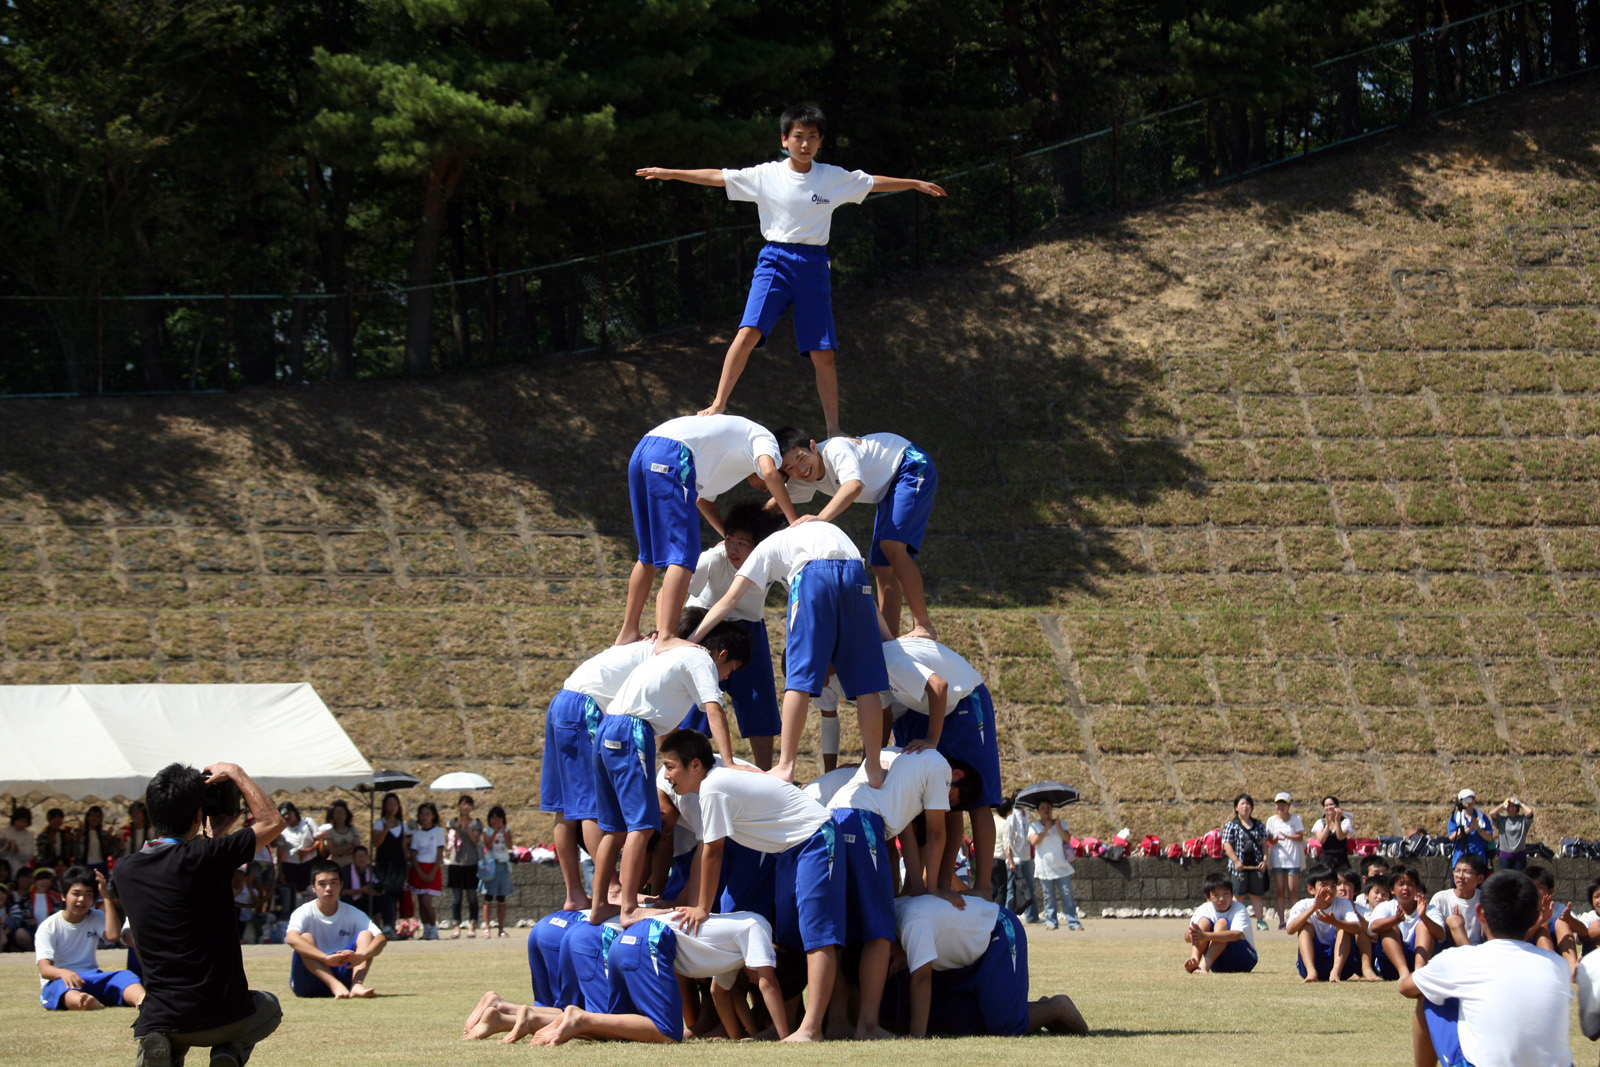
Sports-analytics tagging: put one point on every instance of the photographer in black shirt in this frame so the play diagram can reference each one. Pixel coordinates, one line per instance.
(177, 892)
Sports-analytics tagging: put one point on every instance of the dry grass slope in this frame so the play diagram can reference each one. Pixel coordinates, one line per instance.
(1292, 484)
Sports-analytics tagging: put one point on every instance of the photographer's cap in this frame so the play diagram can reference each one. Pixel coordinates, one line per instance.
(1285, 797)
(1466, 794)
(1513, 802)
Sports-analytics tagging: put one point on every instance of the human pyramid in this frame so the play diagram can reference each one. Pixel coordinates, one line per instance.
(774, 911)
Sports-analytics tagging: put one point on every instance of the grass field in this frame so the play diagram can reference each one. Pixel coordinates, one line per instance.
(1125, 976)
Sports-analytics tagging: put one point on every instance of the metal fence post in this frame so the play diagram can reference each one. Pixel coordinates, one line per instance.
(1011, 192)
(1116, 158)
(604, 293)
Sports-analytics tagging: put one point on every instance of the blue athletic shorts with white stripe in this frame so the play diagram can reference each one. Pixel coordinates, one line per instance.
(833, 619)
(793, 275)
(566, 781)
(869, 867)
(108, 986)
(991, 996)
(625, 775)
(550, 988)
(583, 964)
(903, 512)
(666, 520)
(968, 734)
(749, 881)
(811, 893)
(643, 981)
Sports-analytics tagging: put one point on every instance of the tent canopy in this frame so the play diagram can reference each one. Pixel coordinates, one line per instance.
(105, 741)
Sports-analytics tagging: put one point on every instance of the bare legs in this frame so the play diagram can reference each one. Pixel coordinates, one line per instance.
(901, 578)
(568, 833)
(733, 364)
(669, 603)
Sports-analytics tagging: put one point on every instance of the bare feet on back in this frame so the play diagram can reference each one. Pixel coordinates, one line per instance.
(782, 773)
(578, 903)
(601, 912)
(362, 992)
(920, 630)
(877, 1033)
(1191, 965)
(639, 915)
(627, 637)
(714, 409)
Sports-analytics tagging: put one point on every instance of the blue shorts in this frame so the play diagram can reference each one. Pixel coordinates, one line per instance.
(566, 780)
(792, 274)
(104, 986)
(666, 520)
(625, 775)
(678, 878)
(991, 996)
(903, 512)
(811, 893)
(544, 959)
(869, 869)
(969, 733)
(749, 881)
(1236, 957)
(833, 619)
(1385, 969)
(583, 964)
(302, 983)
(1322, 956)
(643, 981)
(1442, 1021)
(750, 689)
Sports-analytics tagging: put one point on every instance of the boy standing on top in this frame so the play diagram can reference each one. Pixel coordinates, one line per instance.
(796, 199)
(883, 469)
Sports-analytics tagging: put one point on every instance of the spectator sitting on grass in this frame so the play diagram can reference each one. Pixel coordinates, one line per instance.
(1220, 931)
(16, 929)
(1452, 915)
(360, 880)
(1326, 926)
(1393, 925)
(334, 944)
(1557, 928)
(1371, 867)
(1349, 887)
(70, 979)
(43, 900)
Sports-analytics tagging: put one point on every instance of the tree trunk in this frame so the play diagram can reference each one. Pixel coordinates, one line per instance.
(460, 319)
(441, 183)
(1421, 86)
(151, 343)
(335, 245)
(1564, 34)
(1349, 106)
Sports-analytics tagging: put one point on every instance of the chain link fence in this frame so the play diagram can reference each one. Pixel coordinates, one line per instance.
(122, 344)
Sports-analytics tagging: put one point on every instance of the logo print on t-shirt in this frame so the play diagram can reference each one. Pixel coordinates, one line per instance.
(815, 199)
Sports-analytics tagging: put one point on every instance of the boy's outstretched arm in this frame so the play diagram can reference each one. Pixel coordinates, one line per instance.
(883, 184)
(721, 608)
(711, 176)
(777, 485)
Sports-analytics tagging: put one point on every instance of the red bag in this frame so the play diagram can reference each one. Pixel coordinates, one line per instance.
(1077, 845)
(1213, 844)
(1364, 846)
(1174, 851)
(1150, 846)
(1194, 848)
(1092, 846)
(1313, 847)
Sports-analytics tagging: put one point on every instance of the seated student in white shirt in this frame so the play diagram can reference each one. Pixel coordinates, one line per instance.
(1393, 925)
(1502, 1002)
(1451, 918)
(1585, 925)
(1350, 889)
(1221, 931)
(1326, 925)
(1557, 927)
(334, 943)
(70, 978)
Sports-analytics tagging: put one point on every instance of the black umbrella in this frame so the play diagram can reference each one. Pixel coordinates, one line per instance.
(382, 782)
(1055, 794)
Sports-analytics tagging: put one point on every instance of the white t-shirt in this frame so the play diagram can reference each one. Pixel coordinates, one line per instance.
(331, 933)
(933, 931)
(1408, 923)
(397, 830)
(70, 946)
(725, 945)
(1589, 996)
(713, 575)
(1445, 902)
(302, 834)
(18, 847)
(1325, 932)
(663, 688)
(823, 787)
(1237, 917)
(599, 677)
(1515, 1002)
(911, 661)
(873, 460)
(1052, 856)
(1017, 836)
(781, 555)
(725, 448)
(1344, 824)
(428, 843)
(1285, 854)
(913, 783)
(796, 208)
(757, 811)
(688, 804)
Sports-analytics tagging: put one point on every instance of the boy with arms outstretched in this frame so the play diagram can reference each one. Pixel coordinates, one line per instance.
(883, 469)
(680, 467)
(796, 199)
(1220, 931)
(832, 622)
(1326, 926)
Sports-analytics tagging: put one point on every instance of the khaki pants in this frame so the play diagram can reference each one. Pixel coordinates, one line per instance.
(169, 1050)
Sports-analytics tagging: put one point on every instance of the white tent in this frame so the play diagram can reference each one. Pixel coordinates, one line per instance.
(105, 741)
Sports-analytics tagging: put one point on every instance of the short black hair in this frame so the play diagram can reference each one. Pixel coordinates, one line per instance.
(57, 813)
(1350, 878)
(428, 805)
(807, 114)
(1006, 806)
(1542, 876)
(1410, 872)
(1215, 880)
(1319, 873)
(690, 620)
(1378, 882)
(326, 867)
(173, 798)
(730, 638)
(1331, 797)
(791, 437)
(688, 746)
(22, 813)
(496, 810)
(749, 517)
(359, 848)
(1244, 796)
(1510, 903)
(80, 875)
(1594, 887)
(969, 787)
(1473, 860)
(1369, 862)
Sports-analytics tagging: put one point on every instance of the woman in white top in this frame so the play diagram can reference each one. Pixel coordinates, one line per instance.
(391, 844)
(426, 877)
(297, 847)
(1287, 855)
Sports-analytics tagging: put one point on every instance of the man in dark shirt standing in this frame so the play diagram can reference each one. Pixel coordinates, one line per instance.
(177, 892)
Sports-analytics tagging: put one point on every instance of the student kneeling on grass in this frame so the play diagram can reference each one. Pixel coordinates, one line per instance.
(1221, 932)
(1327, 927)
(1502, 1002)
(334, 943)
(70, 978)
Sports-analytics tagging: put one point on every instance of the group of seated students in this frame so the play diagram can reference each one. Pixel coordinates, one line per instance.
(791, 919)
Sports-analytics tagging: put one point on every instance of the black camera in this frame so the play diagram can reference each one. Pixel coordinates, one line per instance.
(221, 801)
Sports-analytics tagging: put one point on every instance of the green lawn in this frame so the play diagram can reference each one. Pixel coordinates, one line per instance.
(1126, 976)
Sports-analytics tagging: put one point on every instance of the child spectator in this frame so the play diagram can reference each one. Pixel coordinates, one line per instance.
(1052, 857)
(360, 882)
(1469, 829)
(64, 947)
(461, 864)
(890, 472)
(1371, 867)
(57, 844)
(340, 839)
(1512, 821)
(138, 831)
(426, 878)
(1244, 839)
(18, 846)
(43, 900)
(796, 199)
(391, 843)
(1502, 1002)
(1220, 931)
(98, 845)
(1586, 926)
(297, 847)
(1287, 854)
(1326, 926)
(1557, 928)
(1350, 889)
(494, 869)
(248, 903)
(1332, 832)
(1393, 925)
(1451, 918)
(334, 944)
